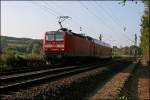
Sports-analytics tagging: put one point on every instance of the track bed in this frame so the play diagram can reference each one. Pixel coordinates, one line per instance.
(72, 86)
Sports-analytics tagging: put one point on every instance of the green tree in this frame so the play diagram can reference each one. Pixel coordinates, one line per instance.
(145, 33)
(3, 43)
(36, 48)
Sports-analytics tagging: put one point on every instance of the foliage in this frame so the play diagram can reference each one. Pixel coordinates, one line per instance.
(12, 60)
(145, 33)
(21, 52)
(7, 59)
(127, 51)
(20, 45)
(123, 2)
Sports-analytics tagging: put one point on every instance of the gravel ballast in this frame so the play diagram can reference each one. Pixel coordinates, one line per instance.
(69, 88)
(52, 89)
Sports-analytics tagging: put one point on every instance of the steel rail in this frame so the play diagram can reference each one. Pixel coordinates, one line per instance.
(56, 74)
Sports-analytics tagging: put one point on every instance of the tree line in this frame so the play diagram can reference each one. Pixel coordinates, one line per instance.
(131, 51)
(145, 33)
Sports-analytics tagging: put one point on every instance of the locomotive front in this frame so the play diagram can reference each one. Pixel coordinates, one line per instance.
(54, 45)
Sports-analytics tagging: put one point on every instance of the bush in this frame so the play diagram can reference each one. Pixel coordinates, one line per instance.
(13, 60)
(34, 60)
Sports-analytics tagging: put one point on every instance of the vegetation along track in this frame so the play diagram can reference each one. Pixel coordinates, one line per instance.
(17, 81)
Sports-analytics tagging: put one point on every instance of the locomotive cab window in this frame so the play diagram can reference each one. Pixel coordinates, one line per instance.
(54, 37)
(59, 36)
(50, 37)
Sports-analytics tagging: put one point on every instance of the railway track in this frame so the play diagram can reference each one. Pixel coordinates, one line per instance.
(28, 69)
(37, 68)
(14, 82)
(22, 70)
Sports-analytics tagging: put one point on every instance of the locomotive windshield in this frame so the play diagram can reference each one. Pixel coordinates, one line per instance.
(55, 37)
(59, 37)
(50, 37)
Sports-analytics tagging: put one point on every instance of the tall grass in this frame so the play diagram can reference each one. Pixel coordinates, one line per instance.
(13, 60)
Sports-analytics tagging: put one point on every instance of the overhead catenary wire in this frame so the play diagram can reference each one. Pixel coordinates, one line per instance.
(83, 5)
(92, 13)
(55, 13)
(117, 22)
(105, 11)
(127, 38)
(47, 4)
(75, 21)
(94, 32)
(104, 23)
(41, 6)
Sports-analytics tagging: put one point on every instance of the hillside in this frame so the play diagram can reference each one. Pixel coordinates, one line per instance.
(20, 45)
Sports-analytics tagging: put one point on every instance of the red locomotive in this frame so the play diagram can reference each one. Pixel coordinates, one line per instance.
(64, 44)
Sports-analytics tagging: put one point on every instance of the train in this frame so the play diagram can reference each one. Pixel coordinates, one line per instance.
(63, 44)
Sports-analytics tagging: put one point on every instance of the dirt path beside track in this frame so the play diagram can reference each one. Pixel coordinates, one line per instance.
(144, 82)
(138, 85)
(133, 83)
(113, 87)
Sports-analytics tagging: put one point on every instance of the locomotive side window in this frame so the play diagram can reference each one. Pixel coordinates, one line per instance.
(50, 37)
(59, 37)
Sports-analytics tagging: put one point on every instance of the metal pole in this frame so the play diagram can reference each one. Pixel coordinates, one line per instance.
(135, 43)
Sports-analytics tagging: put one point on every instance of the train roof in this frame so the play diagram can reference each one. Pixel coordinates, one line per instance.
(79, 35)
(101, 43)
(83, 36)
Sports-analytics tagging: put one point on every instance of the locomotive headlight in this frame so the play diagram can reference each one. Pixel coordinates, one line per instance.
(48, 45)
(60, 45)
(56, 45)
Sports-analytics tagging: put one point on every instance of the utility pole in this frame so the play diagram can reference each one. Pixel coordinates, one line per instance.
(81, 30)
(135, 40)
(100, 37)
(135, 44)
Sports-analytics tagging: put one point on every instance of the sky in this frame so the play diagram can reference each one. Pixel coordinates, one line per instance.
(116, 23)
